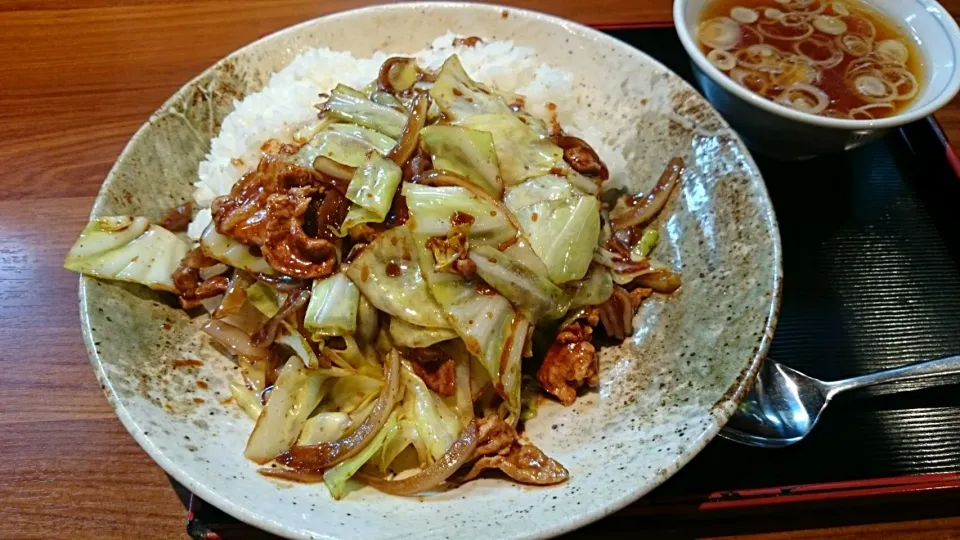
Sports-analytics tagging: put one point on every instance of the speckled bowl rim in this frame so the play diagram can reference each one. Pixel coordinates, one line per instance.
(722, 410)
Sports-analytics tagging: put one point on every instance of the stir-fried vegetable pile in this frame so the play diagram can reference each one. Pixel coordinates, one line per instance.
(398, 288)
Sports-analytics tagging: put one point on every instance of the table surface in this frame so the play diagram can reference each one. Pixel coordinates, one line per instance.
(80, 76)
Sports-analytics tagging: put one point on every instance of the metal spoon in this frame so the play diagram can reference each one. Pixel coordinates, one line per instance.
(784, 404)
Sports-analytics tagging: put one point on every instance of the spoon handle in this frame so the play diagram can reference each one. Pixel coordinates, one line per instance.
(928, 368)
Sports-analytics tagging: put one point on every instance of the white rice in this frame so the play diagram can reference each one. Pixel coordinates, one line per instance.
(286, 104)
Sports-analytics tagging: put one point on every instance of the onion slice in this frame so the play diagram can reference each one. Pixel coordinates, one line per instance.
(829, 25)
(874, 88)
(893, 50)
(719, 33)
(234, 339)
(407, 144)
(456, 456)
(267, 333)
(860, 112)
(235, 296)
(773, 13)
(802, 102)
(651, 205)
(722, 60)
(855, 44)
(333, 169)
(836, 55)
(322, 456)
(744, 15)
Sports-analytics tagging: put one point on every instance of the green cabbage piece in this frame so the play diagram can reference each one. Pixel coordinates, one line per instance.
(371, 190)
(333, 307)
(247, 399)
(264, 298)
(344, 143)
(562, 232)
(460, 97)
(324, 427)
(467, 152)
(521, 151)
(349, 105)
(533, 294)
(291, 337)
(400, 439)
(462, 399)
(509, 386)
(127, 248)
(432, 207)
(544, 188)
(594, 289)
(405, 334)
(232, 253)
(295, 394)
(336, 477)
(437, 425)
(351, 393)
(404, 295)
(648, 241)
(521, 252)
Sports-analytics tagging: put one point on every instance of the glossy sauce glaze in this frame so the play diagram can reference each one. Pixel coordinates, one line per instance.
(860, 64)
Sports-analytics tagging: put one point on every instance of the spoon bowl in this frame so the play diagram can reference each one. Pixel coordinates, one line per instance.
(784, 404)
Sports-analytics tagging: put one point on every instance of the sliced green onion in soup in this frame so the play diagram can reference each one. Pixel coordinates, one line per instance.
(719, 33)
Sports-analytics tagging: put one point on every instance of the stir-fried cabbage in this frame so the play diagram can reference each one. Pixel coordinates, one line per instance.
(296, 393)
(594, 289)
(349, 105)
(437, 425)
(344, 143)
(233, 253)
(405, 334)
(534, 295)
(388, 274)
(431, 209)
(543, 188)
(462, 399)
(649, 240)
(264, 298)
(522, 152)
(562, 231)
(467, 152)
(371, 190)
(336, 477)
(404, 436)
(127, 248)
(509, 386)
(521, 252)
(460, 97)
(248, 401)
(324, 427)
(333, 307)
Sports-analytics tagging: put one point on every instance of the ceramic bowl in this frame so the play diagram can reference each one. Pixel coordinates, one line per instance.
(663, 395)
(781, 132)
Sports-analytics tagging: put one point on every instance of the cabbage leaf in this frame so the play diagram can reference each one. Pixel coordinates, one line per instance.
(534, 295)
(229, 251)
(431, 209)
(296, 393)
(333, 307)
(563, 232)
(460, 97)
(349, 105)
(344, 143)
(594, 289)
(336, 477)
(324, 427)
(437, 425)
(127, 248)
(371, 191)
(405, 334)
(467, 152)
(521, 151)
(388, 274)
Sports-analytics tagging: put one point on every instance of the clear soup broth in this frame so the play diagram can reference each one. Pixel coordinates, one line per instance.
(839, 59)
